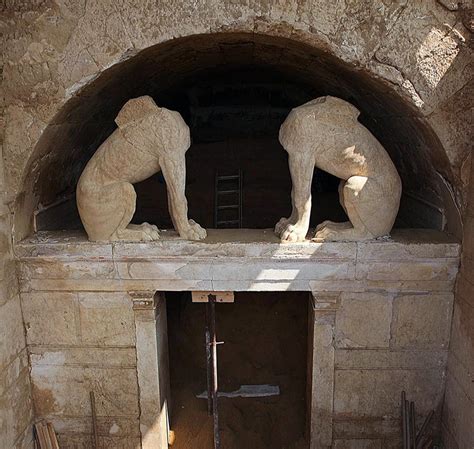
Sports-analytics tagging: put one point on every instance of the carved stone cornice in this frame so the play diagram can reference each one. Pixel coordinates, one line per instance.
(143, 299)
(325, 301)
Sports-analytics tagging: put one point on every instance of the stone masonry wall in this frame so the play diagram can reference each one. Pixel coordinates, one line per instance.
(458, 416)
(16, 409)
(382, 316)
(81, 342)
(385, 343)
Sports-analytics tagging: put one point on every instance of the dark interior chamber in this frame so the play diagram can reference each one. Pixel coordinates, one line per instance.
(265, 342)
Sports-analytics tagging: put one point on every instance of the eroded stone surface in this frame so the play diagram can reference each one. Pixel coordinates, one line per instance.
(113, 312)
(64, 390)
(375, 393)
(42, 309)
(422, 321)
(355, 330)
(53, 261)
(358, 444)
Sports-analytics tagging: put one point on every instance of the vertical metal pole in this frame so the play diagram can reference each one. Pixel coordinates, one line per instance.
(215, 408)
(412, 426)
(422, 431)
(240, 197)
(216, 198)
(404, 421)
(407, 424)
(209, 360)
(95, 436)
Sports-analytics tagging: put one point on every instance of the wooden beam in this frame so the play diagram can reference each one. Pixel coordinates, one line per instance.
(221, 297)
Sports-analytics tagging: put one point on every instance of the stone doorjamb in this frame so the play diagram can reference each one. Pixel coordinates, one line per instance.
(149, 309)
(322, 318)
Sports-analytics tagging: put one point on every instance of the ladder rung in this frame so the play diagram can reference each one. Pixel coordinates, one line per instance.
(228, 206)
(223, 192)
(227, 177)
(227, 222)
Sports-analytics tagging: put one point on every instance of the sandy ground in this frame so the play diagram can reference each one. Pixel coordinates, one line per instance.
(265, 337)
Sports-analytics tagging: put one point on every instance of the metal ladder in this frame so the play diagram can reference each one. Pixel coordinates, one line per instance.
(228, 187)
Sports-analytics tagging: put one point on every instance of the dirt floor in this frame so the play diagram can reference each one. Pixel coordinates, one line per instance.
(265, 337)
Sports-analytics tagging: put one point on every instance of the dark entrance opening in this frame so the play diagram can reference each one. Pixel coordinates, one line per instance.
(234, 117)
(265, 342)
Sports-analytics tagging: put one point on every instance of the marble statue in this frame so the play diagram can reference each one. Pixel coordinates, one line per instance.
(325, 133)
(148, 139)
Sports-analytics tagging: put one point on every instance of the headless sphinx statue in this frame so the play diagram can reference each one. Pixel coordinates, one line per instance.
(325, 133)
(148, 139)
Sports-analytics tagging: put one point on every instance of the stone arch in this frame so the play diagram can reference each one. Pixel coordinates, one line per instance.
(388, 108)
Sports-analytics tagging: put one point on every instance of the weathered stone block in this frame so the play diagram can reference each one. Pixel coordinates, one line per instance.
(248, 243)
(64, 390)
(459, 370)
(12, 339)
(363, 321)
(321, 372)
(284, 271)
(435, 53)
(389, 359)
(16, 410)
(422, 321)
(83, 441)
(75, 246)
(164, 269)
(458, 413)
(50, 318)
(358, 444)
(394, 442)
(10, 373)
(462, 339)
(355, 427)
(115, 426)
(465, 288)
(408, 270)
(8, 274)
(410, 244)
(62, 269)
(26, 440)
(106, 319)
(375, 393)
(87, 356)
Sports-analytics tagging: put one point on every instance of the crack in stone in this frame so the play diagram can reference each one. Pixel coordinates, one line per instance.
(123, 25)
(407, 84)
(389, 29)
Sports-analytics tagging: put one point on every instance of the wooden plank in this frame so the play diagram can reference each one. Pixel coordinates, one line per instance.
(49, 444)
(247, 391)
(42, 436)
(221, 297)
(52, 436)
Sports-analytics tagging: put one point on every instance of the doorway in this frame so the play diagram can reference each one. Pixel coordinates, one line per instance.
(265, 337)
